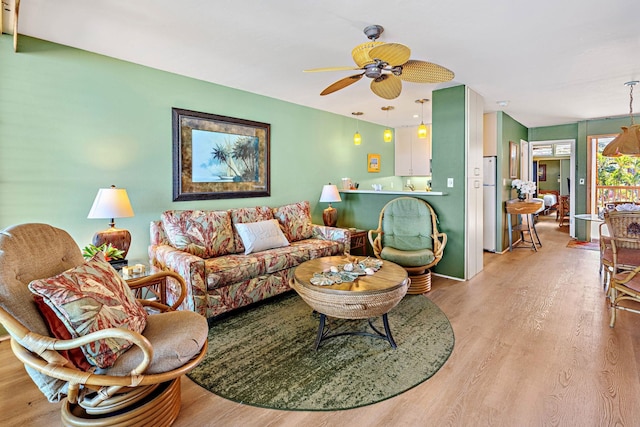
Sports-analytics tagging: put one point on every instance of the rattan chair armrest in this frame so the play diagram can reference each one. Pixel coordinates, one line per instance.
(630, 275)
(440, 241)
(136, 283)
(160, 307)
(46, 347)
(39, 343)
(376, 242)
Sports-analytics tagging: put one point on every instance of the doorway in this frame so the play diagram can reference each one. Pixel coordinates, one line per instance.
(560, 149)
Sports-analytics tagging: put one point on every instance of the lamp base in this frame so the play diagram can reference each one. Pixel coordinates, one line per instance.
(330, 216)
(118, 237)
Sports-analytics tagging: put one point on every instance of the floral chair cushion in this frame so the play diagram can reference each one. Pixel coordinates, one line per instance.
(93, 297)
(244, 215)
(295, 220)
(59, 330)
(203, 233)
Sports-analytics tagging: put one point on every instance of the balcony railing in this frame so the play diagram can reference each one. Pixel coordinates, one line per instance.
(616, 193)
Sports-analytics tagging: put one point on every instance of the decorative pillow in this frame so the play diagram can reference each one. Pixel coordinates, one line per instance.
(262, 235)
(295, 220)
(58, 330)
(89, 298)
(243, 215)
(206, 234)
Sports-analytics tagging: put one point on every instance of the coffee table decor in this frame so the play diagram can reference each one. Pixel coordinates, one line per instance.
(346, 272)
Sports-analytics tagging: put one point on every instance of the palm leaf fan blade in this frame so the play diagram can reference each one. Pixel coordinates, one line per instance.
(387, 86)
(341, 84)
(416, 71)
(391, 53)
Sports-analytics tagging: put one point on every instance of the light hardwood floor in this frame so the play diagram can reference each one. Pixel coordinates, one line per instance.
(533, 347)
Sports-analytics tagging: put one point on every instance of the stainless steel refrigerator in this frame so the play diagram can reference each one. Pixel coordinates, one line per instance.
(489, 195)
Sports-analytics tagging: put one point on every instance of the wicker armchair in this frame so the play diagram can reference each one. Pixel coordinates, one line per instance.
(408, 235)
(621, 250)
(624, 287)
(142, 387)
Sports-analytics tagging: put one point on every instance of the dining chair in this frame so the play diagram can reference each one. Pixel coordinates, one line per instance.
(625, 293)
(620, 251)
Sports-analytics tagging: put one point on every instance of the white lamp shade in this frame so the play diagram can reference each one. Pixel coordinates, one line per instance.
(330, 194)
(111, 203)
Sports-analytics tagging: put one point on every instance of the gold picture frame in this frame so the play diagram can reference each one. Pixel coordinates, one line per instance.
(373, 162)
(513, 160)
(218, 157)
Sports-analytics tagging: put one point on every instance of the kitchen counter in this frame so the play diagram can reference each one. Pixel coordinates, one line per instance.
(405, 193)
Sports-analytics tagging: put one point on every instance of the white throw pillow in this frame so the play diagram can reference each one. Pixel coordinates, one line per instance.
(261, 235)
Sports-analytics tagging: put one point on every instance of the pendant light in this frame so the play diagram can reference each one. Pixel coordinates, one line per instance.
(357, 139)
(422, 129)
(628, 142)
(387, 136)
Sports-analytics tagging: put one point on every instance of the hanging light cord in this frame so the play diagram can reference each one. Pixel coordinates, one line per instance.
(631, 102)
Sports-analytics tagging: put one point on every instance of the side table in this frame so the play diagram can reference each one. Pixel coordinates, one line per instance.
(526, 208)
(359, 242)
(154, 283)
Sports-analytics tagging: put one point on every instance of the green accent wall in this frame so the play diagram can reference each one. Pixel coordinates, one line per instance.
(73, 121)
(509, 130)
(448, 153)
(552, 175)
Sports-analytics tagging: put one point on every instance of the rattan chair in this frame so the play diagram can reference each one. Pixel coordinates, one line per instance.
(408, 235)
(564, 213)
(624, 293)
(621, 250)
(142, 387)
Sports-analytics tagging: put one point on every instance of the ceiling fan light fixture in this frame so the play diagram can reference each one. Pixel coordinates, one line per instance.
(357, 138)
(628, 142)
(387, 135)
(422, 129)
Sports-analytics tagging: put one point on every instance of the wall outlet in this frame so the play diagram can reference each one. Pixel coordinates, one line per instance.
(581, 181)
(450, 182)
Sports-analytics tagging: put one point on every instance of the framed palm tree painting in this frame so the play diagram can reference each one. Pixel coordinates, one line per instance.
(218, 157)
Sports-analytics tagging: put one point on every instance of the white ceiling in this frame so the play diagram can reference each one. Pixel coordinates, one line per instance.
(555, 61)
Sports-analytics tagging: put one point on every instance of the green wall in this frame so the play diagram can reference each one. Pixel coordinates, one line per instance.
(553, 174)
(508, 130)
(448, 153)
(73, 121)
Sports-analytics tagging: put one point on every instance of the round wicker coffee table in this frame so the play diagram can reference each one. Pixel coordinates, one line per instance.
(367, 297)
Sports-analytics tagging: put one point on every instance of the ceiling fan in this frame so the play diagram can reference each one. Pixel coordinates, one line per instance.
(387, 64)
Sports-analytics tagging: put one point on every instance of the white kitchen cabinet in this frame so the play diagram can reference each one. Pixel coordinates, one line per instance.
(412, 154)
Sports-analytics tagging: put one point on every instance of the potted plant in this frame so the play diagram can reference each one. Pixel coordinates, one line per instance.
(110, 252)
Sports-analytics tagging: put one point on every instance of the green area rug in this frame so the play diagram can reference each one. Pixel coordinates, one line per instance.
(264, 356)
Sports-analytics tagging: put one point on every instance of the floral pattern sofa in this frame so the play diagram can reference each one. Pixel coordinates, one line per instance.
(204, 247)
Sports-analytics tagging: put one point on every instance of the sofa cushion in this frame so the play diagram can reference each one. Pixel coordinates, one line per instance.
(242, 215)
(89, 298)
(229, 269)
(295, 220)
(261, 235)
(203, 233)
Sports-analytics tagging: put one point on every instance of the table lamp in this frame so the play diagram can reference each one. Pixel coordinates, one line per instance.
(112, 203)
(330, 194)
